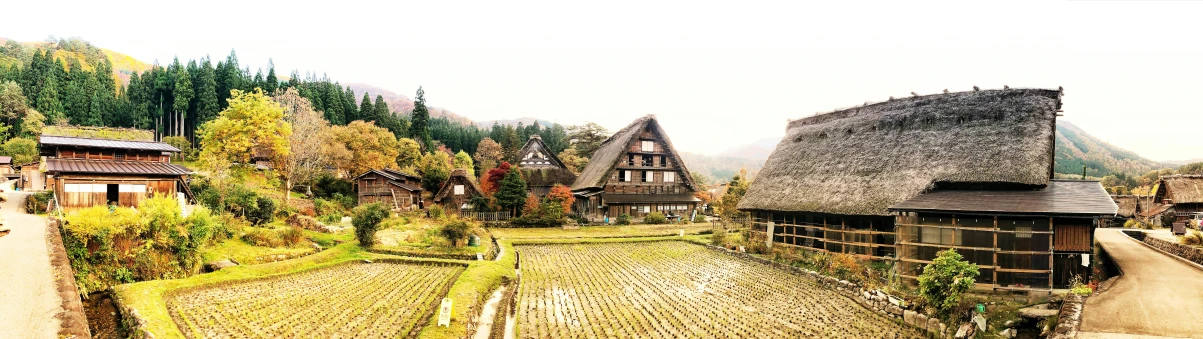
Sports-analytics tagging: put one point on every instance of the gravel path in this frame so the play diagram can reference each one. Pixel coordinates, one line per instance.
(1156, 296)
(27, 286)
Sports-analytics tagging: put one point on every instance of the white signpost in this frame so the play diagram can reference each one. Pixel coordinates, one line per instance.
(445, 313)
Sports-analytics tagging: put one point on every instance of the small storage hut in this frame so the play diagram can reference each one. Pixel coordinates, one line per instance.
(636, 171)
(456, 194)
(397, 190)
(844, 182)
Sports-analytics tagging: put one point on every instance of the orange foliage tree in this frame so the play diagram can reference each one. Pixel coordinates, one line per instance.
(562, 195)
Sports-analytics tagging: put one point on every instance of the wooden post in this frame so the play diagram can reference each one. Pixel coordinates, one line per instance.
(1052, 234)
(995, 254)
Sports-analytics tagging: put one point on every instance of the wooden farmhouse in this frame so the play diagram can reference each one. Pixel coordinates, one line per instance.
(33, 177)
(1183, 194)
(456, 194)
(85, 172)
(6, 165)
(541, 168)
(635, 172)
(906, 178)
(397, 190)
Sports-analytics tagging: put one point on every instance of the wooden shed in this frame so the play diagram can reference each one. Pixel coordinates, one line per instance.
(456, 194)
(85, 172)
(398, 190)
(840, 182)
(635, 172)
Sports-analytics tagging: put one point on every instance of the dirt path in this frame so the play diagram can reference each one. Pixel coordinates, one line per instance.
(27, 286)
(1156, 296)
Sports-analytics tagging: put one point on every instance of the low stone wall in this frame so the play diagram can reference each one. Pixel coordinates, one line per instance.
(875, 300)
(73, 323)
(1189, 253)
(1070, 317)
(130, 319)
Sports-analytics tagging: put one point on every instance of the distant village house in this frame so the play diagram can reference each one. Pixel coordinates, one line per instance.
(397, 190)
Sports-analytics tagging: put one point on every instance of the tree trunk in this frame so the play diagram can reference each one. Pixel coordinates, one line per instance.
(287, 189)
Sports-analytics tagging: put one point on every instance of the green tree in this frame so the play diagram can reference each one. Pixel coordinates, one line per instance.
(23, 150)
(512, 192)
(48, 102)
(13, 104)
(945, 279)
(419, 121)
(464, 161)
(271, 83)
(207, 104)
(366, 219)
(572, 160)
(366, 110)
(182, 95)
(587, 138)
(435, 168)
(409, 153)
(735, 192)
(361, 146)
(381, 110)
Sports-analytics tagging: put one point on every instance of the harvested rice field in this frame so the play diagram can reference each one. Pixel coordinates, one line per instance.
(679, 290)
(354, 300)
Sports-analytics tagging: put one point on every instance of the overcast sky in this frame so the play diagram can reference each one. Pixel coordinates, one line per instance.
(716, 74)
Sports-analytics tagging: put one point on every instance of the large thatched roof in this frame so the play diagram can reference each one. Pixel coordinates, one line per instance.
(1128, 205)
(458, 177)
(862, 160)
(541, 167)
(1184, 189)
(613, 148)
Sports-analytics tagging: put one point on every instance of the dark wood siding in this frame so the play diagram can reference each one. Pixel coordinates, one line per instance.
(1071, 237)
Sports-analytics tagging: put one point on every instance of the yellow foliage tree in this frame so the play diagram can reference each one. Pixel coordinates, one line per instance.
(252, 121)
(362, 146)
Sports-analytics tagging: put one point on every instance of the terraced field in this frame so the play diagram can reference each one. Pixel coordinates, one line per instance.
(679, 290)
(356, 300)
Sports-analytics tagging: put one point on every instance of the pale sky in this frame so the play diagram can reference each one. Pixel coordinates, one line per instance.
(717, 74)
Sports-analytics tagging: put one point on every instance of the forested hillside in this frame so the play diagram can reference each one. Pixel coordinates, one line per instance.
(1076, 148)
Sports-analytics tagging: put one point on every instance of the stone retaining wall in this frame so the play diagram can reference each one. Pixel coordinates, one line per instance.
(1189, 253)
(130, 319)
(1070, 317)
(73, 322)
(875, 300)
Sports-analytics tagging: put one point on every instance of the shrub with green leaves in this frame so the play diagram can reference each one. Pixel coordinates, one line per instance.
(623, 219)
(366, 219)
(699, 218)
(655, 218)
(944, 280)
(36, 203)
(454, 231)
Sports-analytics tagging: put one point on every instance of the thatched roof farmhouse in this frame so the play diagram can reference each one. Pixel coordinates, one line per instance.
(905, 178)
(1183, 192)
(636, 171)
(541, 168)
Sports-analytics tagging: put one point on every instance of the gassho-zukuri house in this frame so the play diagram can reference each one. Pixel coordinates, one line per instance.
(906, 178)
(635, 172)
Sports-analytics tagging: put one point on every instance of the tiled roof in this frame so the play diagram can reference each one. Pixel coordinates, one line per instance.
(1059, 197)
(50, 140)
(113, 167)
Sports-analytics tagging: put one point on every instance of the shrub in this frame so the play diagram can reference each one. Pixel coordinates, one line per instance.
(304, 222)
(292, 235)
(325, 207)
(1193, 238)
(327, 185)
(436, 212)
(1131, 223)
(330, 219)
(719, 237)
(699, 218)
(455, 231)
(366, 220)
(262, 211)
(262, 237)
(945, 279)
(36, 203)
(623, 219)
(1077, 287)
(655, 218)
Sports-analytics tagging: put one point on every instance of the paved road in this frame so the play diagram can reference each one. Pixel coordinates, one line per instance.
(1156, 296)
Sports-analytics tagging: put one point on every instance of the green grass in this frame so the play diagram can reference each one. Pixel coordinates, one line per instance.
(600, 231)
(244, 253)
(473, 287)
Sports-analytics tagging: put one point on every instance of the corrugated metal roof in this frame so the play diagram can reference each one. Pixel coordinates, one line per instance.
(406, 187)
(6, 160)
(51, 140)
(1059, 197)
(113, 167)
(647, 198)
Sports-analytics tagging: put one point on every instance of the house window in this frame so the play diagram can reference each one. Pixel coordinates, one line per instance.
(459, 189)
(663, 161)
(670, 177)
(647, 146)
(647, 209)
(1023, 232)
(626, 176)
(647, 176)
(647, 161)
(630, 160)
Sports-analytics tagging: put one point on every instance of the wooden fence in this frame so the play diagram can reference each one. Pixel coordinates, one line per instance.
(488, 216)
